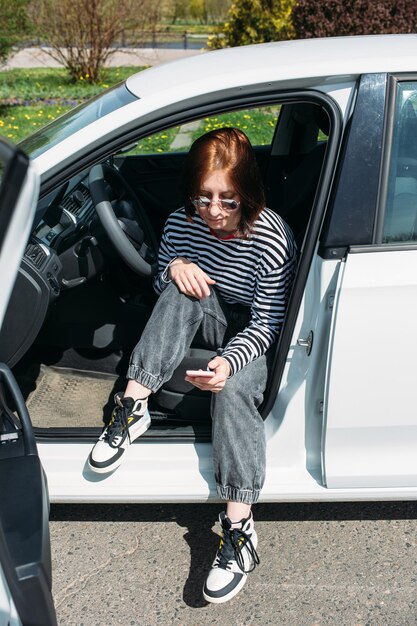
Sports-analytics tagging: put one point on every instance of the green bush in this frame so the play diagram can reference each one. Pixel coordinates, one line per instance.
(254, 21)
(330, 18)
(14, 24)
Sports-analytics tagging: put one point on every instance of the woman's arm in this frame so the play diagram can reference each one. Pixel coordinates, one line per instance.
(166, 255)
(268, 311)
(190, 279)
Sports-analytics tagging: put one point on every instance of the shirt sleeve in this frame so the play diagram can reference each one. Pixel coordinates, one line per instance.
(267, 315)
(166, 255)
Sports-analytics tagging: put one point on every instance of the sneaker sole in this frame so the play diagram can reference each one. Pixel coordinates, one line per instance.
(227, 597)
(136, 431)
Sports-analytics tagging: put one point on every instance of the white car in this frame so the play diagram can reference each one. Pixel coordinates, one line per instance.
(334, 127)
(339, 158)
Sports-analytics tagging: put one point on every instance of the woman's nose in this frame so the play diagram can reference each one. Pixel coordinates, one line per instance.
(215, 208)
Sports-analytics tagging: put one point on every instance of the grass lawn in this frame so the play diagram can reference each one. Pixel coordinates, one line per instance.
(258, 124)
(17, 122)
(31, 98)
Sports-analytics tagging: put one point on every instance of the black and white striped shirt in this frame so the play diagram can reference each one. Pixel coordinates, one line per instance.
(256, 272)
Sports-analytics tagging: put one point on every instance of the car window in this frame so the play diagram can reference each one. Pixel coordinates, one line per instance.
(258, 123)
(400, 223)
(76, 119)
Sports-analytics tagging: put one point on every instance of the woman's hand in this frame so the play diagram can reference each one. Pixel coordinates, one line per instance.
(190, 279)
(221, 369)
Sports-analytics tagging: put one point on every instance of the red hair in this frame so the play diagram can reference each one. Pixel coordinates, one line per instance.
(226, 149)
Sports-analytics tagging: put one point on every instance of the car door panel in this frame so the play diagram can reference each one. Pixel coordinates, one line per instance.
(370, 436)
(25, 556)
(25, 553)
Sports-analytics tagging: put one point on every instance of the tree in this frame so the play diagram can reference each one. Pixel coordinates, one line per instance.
(353, 17)
(196, 10)
(255, 21)
(216, 10)
(178, 10)
(81, 33)
(13, 24)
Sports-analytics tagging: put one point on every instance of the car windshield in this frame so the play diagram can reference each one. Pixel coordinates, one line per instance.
(77, 118)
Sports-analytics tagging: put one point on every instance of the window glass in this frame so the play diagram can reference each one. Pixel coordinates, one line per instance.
(76, 119)
(258, 124)
(400, 222)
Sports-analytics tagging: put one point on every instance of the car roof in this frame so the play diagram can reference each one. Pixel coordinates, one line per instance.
(280, 61)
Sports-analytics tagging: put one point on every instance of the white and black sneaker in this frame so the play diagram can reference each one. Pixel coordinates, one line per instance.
(129, 420)
(235, 559)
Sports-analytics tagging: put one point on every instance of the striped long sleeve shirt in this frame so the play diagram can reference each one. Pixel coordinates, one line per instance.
(256, 272)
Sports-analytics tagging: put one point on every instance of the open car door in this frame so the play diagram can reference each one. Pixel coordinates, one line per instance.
(25, 557)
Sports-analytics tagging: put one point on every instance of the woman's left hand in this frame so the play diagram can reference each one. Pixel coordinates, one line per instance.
(221, 369)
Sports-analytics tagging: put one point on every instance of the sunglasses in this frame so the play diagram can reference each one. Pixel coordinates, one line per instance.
(201, 202)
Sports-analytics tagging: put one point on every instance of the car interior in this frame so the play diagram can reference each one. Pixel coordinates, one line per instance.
(84, 294)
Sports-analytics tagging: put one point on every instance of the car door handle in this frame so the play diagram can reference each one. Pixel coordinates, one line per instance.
(306, 343)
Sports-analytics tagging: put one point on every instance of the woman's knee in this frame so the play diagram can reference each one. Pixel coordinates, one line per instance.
(171, 291)
(173, 297)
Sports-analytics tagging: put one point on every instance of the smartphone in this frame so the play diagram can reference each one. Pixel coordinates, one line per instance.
(202, 373)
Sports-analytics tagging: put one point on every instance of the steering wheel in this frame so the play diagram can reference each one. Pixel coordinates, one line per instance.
(133, 237)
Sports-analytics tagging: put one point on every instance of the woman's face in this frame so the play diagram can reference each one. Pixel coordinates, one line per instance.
(217, 186)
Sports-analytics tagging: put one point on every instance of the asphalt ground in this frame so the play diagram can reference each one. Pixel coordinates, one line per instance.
(338, 564)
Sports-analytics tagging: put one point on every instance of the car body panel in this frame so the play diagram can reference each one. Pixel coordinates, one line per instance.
(308, 60)
(371, 430)
(167, 472)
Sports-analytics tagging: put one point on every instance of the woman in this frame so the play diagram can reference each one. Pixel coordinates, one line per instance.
(226, 265)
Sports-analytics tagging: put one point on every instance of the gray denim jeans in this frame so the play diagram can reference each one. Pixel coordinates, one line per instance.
(238, 429)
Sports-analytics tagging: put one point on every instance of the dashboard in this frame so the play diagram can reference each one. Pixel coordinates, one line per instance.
(61, 254)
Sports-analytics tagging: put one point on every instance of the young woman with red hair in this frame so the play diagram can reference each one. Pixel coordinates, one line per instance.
(226, 265)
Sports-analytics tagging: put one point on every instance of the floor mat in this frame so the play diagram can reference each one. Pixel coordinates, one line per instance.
(68, 398)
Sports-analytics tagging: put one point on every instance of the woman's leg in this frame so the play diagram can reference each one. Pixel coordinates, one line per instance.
(169, 334)
(236, 511)
(239, 436)
(239, 465)
(164, 343)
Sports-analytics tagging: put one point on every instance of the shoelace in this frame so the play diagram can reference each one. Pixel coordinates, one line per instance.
(118, 427)
(233, 543)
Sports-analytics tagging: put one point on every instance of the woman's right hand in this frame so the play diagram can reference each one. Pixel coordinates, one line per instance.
(190, 279)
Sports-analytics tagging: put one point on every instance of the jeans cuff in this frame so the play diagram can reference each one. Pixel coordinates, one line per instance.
(144, 378)
(234, 494)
